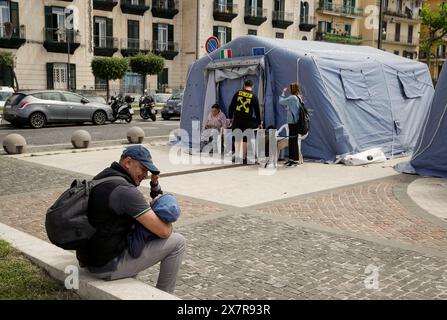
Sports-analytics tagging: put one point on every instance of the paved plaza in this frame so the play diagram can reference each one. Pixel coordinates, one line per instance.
(317, 241)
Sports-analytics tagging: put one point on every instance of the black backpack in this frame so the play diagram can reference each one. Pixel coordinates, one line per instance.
(304, 120)
(66, 222)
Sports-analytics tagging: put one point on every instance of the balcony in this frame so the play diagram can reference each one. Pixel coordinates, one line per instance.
(105, 46)
(137, 7)
(168, 50)
(56, 40)
(224, 13)
(255, 16)
(165, 9)
(400, 39)
(12, 37)
(338, 38)
(339, 10)
(130, 47)
(400, 15)
(282, 19)
(105, 5)
(307, 23)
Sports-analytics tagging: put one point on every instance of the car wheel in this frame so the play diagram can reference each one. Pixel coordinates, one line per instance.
(37, 120)
(99, 118)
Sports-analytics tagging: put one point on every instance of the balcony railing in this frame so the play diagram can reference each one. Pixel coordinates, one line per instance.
(167, 49)
(338, 38)
(166, 9)
(307, 23)
(255, 15)
(105, 46)
(406, 15)
(401, 39)
(61, 40)
(105, 5)
(12, 37)
(138, 7)
(282, 19)
(132, 46)
(224, 13)
(343, 10)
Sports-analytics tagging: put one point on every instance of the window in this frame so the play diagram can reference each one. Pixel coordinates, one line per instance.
(71, 97)
(223, 34)
(384, 27)
(100, 84)
(399, 5)
(279, 35)
(348, 29)
(58, 76)
(354, 84)
(324, 26)
(163, 80)
(396, 52)
(163, 36)
(133, 34)
(222, 5)
(397, 35)
(100, 32)
(410, 34)
(304, 38)
(252, 32)
(132, 83)
(53, 96)
(4, 17)
(304, 13)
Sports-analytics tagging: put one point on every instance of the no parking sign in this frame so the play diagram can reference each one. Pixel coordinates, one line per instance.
(211, 44)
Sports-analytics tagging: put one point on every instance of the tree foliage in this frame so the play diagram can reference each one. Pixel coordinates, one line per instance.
(434, 27)
(109, 68)
(147, 64)
(7, 59)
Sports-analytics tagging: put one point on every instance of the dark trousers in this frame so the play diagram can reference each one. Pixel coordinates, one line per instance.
(293, 141)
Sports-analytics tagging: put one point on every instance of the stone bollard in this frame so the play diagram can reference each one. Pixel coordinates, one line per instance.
(14, 143)
(135, 135)
(80, 139)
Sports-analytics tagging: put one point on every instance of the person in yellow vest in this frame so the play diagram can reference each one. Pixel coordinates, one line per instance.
(244, 114)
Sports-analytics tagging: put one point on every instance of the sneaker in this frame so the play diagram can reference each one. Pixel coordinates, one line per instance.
(291, 164)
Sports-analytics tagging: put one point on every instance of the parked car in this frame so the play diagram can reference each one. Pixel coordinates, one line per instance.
(5, 93)
(161, 99)
(173, 107)
(97, 99)
(37, 108)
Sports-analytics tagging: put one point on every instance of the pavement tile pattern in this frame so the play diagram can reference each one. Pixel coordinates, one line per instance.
(369, 208)
(251, 253)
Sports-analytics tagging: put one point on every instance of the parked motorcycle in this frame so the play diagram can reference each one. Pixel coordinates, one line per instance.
(147, 107)
(122, 108)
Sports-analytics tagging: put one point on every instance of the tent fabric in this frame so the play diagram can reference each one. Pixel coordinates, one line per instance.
(430, 155)
(358, 97)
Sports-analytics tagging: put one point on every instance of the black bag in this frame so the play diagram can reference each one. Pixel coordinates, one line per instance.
(66, 222)
(304, 120)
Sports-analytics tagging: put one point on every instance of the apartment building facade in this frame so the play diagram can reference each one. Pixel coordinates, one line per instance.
(400, 30)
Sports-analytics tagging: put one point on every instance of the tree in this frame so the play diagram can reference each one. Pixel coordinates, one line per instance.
(434, 24)
(7, 69)
(146, 64)
(109, 69)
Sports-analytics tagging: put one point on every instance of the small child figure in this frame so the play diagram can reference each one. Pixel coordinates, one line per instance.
(167, 209)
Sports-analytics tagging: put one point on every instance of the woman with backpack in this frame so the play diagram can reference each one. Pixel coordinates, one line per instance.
(292, 103)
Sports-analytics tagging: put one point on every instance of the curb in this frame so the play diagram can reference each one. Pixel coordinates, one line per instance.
(56, 260)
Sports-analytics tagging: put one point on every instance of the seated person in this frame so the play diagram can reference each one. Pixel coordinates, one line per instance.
(167, 209)
(216, 120)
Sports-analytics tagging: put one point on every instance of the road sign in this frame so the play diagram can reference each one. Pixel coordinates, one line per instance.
(211, 44)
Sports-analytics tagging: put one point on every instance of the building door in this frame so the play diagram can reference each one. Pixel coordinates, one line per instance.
(60, 78)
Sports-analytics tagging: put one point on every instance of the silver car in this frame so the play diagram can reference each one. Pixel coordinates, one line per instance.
(38, 108)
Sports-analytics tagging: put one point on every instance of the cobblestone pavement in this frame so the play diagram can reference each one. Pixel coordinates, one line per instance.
(269, 251)
(369, 208)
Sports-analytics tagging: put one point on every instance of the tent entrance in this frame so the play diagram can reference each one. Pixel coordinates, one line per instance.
(225, 77)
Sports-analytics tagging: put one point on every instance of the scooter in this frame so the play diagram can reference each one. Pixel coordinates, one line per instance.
(122, 108)
(147, 107)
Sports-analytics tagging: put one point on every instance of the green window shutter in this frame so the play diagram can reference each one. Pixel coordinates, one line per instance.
(228, 35)
(49, 23)
(50, 81)
(109, 33)
(171, 32)
(154, 35)
(73, 76)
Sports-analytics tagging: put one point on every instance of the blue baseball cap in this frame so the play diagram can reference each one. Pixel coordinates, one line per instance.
(143, 155)
(166, 208)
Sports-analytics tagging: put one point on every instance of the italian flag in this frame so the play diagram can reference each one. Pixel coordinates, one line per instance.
(225, 54)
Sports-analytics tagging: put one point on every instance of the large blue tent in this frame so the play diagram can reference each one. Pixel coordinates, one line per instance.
(358, 97)
(430, 155)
